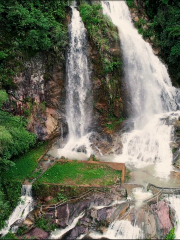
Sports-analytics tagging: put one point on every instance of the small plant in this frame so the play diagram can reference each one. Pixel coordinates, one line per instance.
(44, 224)
(95, 159)
(9, 235)
(130, 3)
(171, 234)
(173, 150)
(21, 230)
(62, 197)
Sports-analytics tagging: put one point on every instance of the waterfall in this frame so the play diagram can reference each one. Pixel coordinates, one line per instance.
(78, 88)
(25, 205)
(119, 230)
(58, 233)
(153, 98)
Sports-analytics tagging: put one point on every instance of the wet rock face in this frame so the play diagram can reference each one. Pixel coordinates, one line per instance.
(76, 232)
(161, 211)
(36, 233)
(40, 96)
(95, 203)
(103, 144)
(175, 144)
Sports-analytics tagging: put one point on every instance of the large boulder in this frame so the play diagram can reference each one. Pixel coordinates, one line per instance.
(161, 212)
(36, 233)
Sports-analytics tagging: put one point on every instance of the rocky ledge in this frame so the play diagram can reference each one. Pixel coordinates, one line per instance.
(95, 212)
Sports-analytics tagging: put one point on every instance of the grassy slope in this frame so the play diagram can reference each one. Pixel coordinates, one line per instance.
(80, 173)
(25, 164)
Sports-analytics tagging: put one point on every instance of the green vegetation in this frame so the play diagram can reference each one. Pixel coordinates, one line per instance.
(103, 37)
(164, 32)
(62, 197)
(44, 224)
(130, 3)
(11, 180)
(28, 27)
(9, 236)
(14, 138)
(21, 230)
(103, 32)
(10, 192)
(25, 165)
(112, 122)
(171, 234)
(80, 173)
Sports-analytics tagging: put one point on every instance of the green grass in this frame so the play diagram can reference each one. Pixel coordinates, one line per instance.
(80, 173)
(25, 164)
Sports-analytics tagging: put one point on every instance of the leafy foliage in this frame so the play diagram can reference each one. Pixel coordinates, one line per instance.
(165, 17)
(25, 165)
(14, 138)
(62, 197)
(44, 224)
(104, 36)
(9, 236)
(171, 234)
(102, 31)
(10, 192)
(26, 28)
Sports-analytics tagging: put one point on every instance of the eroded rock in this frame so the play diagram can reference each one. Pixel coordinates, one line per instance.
(36, 233)
(161, 210)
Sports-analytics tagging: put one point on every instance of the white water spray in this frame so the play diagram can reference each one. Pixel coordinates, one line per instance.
(120, 230)
(57, 234)
(152, 95)
(78, 104)
(140, 196)
(21, 211)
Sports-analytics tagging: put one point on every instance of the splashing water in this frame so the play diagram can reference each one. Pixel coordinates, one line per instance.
(21, 211)
(152, 95)
(57, 234)
(141, 195)
(120, 230)
(78, 103)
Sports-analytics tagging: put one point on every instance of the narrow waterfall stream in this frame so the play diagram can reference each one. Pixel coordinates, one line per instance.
(78, 102)
(119, 230)
(175, 204)
(153, 98)
(21, 211)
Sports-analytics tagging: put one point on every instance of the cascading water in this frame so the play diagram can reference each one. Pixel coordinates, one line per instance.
(152, 96)
(119, 230)
(57, 234)
(78, 103)
(21, 211)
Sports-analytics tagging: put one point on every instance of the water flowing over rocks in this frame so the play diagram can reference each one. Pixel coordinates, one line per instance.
(100, 214)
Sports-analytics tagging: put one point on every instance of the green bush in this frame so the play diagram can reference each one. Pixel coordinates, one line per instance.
(10, 192)
(171, 234)
(14, 138)
(104, 36)
(44, 224)
(28, 27)
(165, 18)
